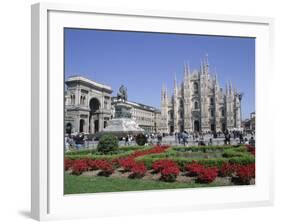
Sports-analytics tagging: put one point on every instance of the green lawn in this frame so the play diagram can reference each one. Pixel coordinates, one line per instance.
(84, 184)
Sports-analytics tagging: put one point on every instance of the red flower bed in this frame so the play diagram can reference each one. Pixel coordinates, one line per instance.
(251, 149)
(170, 173)
(194, 169)
(138, 170)
(127, 163)
(227, 170)
(79, 166)
(159, 165)
(207, 175)
(204, 174)
(156, 149)
(105, 167)
(68, 164)
(95, 164)
(245, 173)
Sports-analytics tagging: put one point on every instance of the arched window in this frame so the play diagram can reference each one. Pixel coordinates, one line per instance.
(196, 106)
(94, 105)
(181, 114)
(181, 103)
(222, 112)
(211, 101)
(195, 87)
(171, 115)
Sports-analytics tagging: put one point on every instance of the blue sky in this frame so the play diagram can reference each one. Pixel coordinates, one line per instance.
(144, 61)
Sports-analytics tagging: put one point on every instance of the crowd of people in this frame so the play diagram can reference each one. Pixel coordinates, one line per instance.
(199, 137)
(81, 140)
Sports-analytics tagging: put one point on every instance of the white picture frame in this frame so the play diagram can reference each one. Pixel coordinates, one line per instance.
(48, 201)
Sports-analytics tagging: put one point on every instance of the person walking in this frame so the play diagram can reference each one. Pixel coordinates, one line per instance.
(127, 140)
(185, 138)
(179, 137)
(252, 141)
(241, 139)
(159, 139)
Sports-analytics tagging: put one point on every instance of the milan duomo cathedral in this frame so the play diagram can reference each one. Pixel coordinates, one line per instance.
(199, 104)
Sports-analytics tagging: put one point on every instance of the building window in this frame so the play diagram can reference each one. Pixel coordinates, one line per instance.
(195, 88)
(83, 100)
(181, 103)
(171, 115)
(222, 112)
(212, 113)
(212, 101)
(196, 106)
(72, 99)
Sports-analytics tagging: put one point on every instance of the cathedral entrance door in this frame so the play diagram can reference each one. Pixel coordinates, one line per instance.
(196, 126)
(223, 127)
(171, 129)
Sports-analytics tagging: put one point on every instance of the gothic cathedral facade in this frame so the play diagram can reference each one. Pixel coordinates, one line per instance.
(199, 104)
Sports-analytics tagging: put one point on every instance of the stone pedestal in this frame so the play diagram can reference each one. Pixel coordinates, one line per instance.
(121, 127)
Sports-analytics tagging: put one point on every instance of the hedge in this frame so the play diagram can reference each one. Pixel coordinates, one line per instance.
(181, 162)
(238, 155)
(203, 148)
(108, 143)
(98, 155)
(242, 160)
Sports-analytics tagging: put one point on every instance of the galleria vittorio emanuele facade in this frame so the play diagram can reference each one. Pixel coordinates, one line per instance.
(197, 104)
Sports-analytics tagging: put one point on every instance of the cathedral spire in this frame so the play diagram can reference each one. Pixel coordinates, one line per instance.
(206, 65)
(230, 87)
(201, 68)
(226, 89)
(186, 68)
(175, 86)
(216, 77)
(206, 60)
(186, 71)
(234, 90)
(163, 91)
